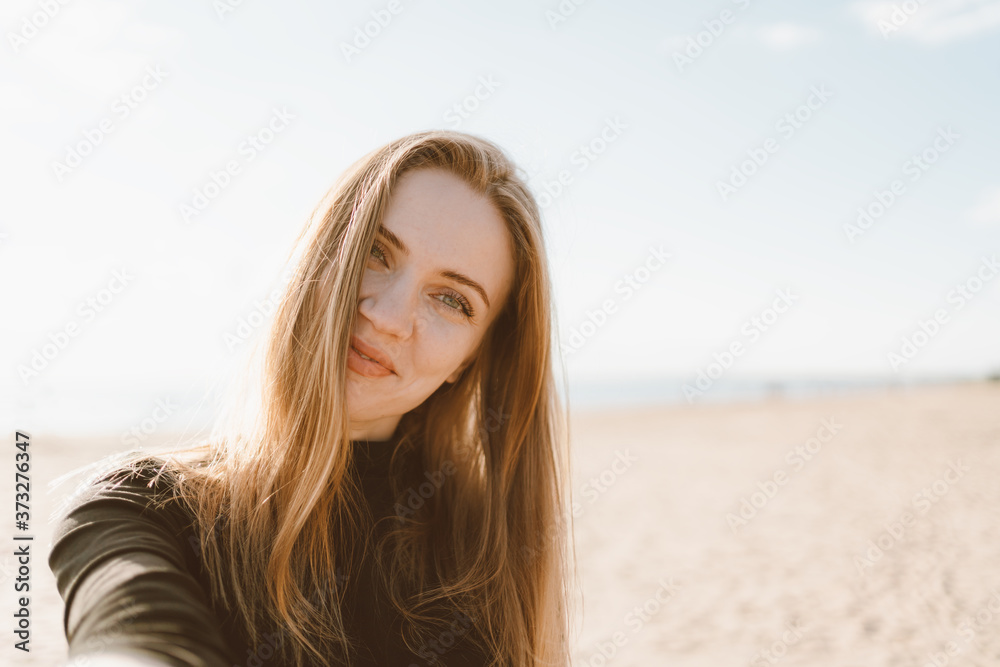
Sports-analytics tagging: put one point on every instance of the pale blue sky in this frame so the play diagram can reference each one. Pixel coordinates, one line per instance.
(555, 87)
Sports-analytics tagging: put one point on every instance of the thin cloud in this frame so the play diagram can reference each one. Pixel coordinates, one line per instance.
(987, 212)
(931, 23)
(778, 37)
(787, 36)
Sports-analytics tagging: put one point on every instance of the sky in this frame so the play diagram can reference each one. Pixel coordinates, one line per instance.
(748, 188)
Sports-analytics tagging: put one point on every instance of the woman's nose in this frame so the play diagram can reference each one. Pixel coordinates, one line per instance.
(390, 308)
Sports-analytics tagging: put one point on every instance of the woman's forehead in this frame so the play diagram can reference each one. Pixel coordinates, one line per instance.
(445, 226)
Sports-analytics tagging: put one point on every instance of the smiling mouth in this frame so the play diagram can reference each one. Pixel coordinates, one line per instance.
(365, 365)
(381, 359)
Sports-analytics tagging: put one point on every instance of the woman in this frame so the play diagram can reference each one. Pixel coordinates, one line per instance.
(394, 491)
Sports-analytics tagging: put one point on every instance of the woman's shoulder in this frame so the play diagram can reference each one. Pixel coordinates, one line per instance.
(150, 472)
(141, 486)
(122, 508)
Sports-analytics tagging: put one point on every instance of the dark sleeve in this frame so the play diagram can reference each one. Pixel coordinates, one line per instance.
(120, 568)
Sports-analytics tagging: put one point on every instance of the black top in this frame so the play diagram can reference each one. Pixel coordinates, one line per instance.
(131, 579)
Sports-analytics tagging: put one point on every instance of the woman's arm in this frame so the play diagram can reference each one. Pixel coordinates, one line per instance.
(120, 568)
(119, 659)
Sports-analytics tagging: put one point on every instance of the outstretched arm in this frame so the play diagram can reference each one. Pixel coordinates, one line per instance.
(130, 596)
(118, 659)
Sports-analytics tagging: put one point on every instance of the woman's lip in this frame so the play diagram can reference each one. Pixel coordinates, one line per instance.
(372, 352)
(366, 367)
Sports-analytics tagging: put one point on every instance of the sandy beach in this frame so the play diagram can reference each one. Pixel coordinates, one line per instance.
(799, 582)
(847, 531)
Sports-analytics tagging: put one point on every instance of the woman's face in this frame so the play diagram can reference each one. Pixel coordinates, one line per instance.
(436, 277)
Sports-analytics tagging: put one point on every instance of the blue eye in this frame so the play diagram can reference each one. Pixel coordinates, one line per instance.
(379, 253)
(463, 303)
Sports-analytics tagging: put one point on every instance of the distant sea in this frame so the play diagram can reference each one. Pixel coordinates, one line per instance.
(586, 394)
(134, 413)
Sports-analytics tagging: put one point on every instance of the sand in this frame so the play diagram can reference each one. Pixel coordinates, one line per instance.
(801, 579)
(704, 538)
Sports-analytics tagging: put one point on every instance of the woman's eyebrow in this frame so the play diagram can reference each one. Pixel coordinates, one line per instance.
(397, 242)
(394, 240)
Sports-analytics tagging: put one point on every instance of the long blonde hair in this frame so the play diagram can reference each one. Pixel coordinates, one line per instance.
(275, 507)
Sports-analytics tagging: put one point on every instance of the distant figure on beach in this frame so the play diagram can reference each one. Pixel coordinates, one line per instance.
(392, 488)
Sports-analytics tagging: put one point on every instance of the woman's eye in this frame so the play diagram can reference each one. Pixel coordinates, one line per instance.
(377, 252)
(461, 304)
(455, 303)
